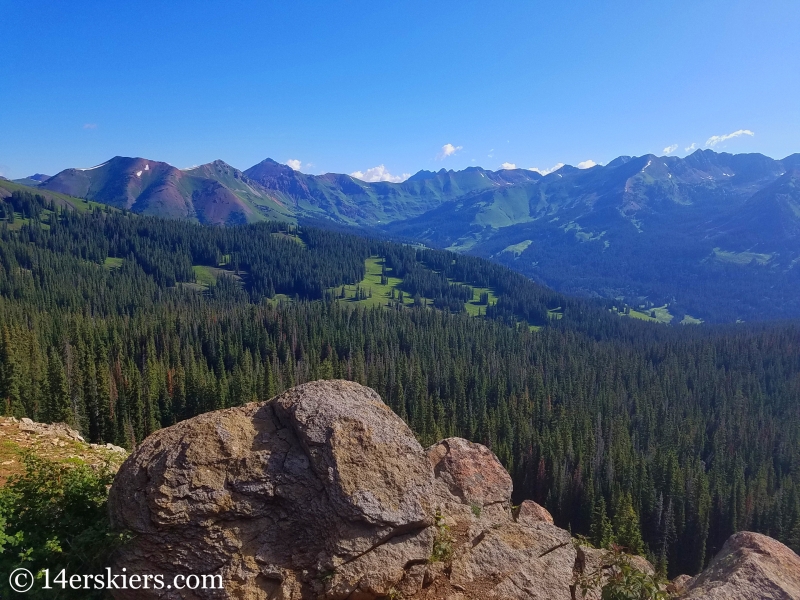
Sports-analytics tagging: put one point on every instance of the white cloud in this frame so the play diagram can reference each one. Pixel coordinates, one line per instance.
(90, 126)
(491, 153)
(294, 163)
(692, 147)
(552, 169)
(670, 149)
(379, 173)
(508, 165)
(587, 164)
(718, 139)
(448, 150)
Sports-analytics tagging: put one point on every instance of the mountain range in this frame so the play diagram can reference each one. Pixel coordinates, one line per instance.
(711, 236)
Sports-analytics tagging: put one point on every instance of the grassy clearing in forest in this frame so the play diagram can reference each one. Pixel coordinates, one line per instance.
(654, 315)
(380, 294)
(741, 258)
(292, 237)
(112, 263)
(207, 276)
(474, 307)
(371, 285)
(690, 320)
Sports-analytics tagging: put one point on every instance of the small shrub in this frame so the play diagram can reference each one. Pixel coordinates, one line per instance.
(582, 540)
(618, 579)
(477, 509)
(443, 542)
(55, 516)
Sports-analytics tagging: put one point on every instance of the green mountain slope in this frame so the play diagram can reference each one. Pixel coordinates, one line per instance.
(61, 200)
(770, 220)
(156, 188)
(646, 231)
(351, 201)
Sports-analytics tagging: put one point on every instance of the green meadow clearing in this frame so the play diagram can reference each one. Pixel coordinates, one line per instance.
(371, 292)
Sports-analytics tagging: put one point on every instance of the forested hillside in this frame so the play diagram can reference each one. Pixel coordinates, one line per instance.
(710, 236)
(666, 439)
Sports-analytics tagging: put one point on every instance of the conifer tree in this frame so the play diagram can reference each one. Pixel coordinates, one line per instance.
(601, 533)
(58, 408)
(627, 529)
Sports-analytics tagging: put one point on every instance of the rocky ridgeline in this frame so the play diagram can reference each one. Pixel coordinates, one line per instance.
(324, 493)
(56, 441)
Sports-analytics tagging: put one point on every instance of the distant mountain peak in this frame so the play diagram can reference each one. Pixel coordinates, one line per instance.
(421, 175)
(620, 160)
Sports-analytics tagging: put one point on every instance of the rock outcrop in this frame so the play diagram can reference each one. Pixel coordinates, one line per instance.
(324, 493)
(52, 441)
(321, 492)
(750, 566)
(530, 512)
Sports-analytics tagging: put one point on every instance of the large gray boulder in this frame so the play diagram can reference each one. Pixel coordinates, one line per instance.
(750, 566)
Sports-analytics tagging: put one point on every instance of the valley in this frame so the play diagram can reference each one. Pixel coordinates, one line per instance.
(713, 235)
(121, 324)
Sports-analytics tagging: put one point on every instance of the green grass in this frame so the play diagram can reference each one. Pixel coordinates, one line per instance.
(381, 294)
(580, 234)
(690, 320)
(741, 258)
(207, 276)
(662, 314)
(78, 204)
(286, 236)
(474, 307)
(517, 249)
(19, 221)
(113, 263)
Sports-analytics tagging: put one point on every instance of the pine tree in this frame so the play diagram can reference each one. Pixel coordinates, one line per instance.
(627, 529)
(10, 378)
(58, 408)
(601, 532)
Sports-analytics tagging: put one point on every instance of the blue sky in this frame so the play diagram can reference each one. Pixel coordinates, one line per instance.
(351, 86)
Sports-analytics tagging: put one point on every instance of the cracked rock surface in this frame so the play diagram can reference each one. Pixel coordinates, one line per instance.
(320, 492)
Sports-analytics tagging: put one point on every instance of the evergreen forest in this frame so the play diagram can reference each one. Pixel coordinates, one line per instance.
(663, 439)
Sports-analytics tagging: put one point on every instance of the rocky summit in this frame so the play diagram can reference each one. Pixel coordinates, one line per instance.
(324, 493)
